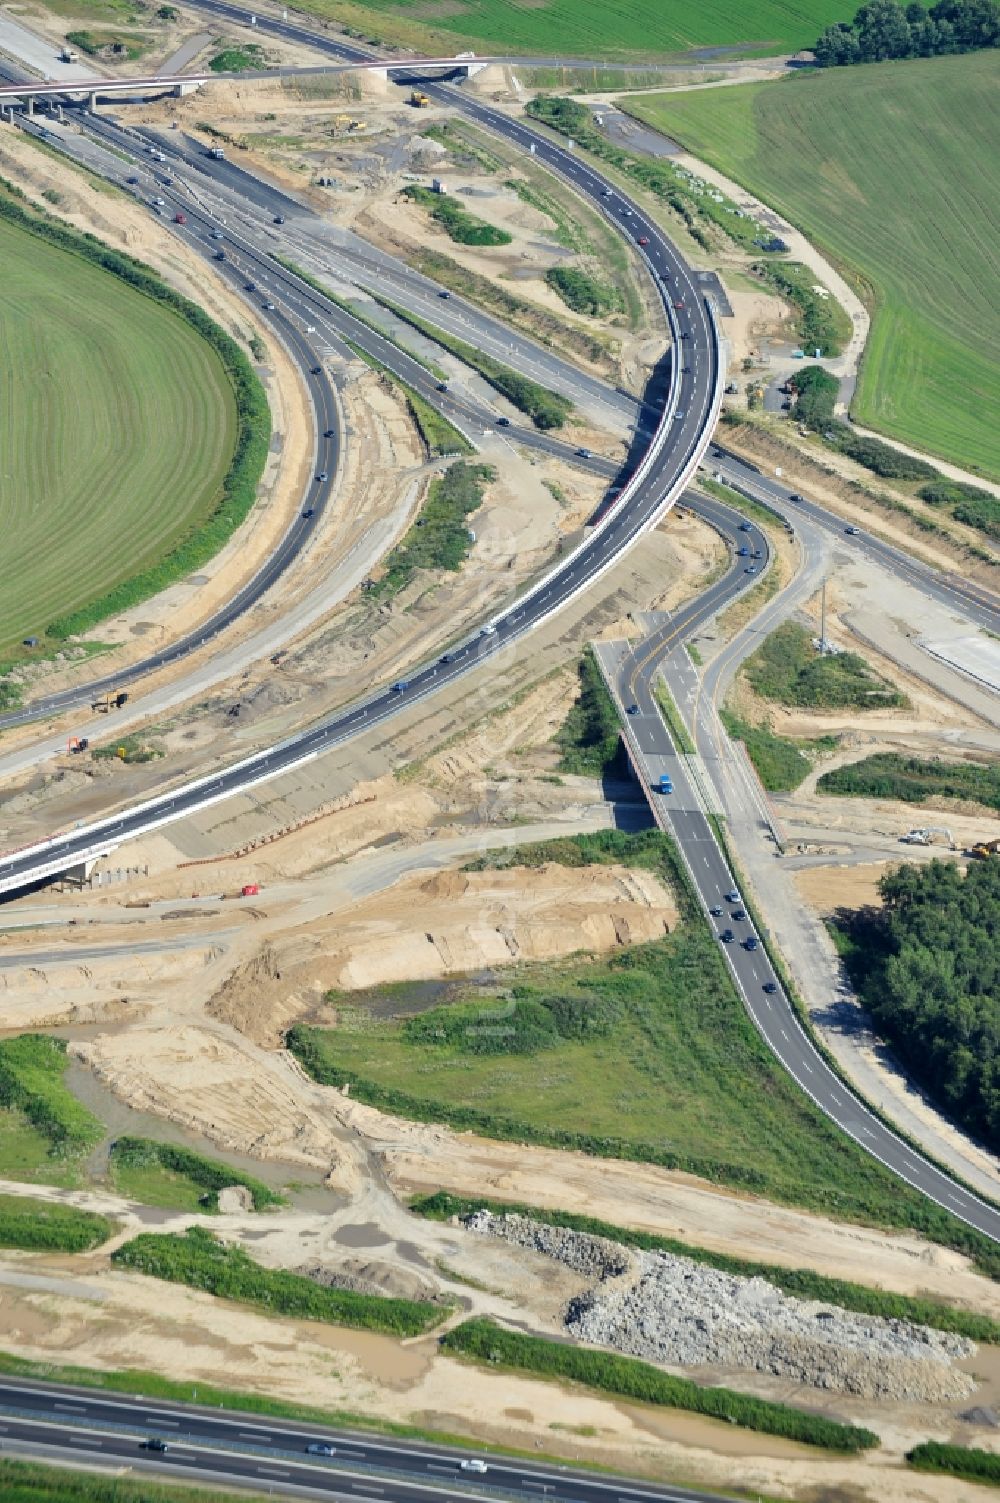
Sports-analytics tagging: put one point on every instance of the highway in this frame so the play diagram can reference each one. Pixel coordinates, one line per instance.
(255, 1451)
(632, 673)
(672, 457)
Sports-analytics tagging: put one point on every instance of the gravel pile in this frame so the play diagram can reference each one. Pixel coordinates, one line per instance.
(679, 1313)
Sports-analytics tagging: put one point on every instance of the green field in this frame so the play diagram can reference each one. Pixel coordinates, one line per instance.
(117, 427)
(616, 30)
(894, 171)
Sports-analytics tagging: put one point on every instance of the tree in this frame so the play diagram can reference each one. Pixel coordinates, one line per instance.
(975, 23)
(837, 47)
(883, 31)
(816, 393)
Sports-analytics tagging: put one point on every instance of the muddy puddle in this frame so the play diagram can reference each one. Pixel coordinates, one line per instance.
(711, 1435)
(406, 998)
(382, 1358)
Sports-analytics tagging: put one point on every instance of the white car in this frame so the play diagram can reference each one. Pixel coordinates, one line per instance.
(474, 1465)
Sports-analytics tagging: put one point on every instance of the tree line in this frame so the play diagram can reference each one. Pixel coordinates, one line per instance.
(884, 29)
(927, 967)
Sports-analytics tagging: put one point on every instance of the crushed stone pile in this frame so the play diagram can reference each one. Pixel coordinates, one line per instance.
(678, 1313)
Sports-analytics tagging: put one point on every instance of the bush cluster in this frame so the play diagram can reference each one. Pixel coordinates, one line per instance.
(31, 1071)
(780, 764)
(211, 1175)
(803, 1283)
(966, 503)
(659, 176)
(957, 1461)
(41, 1225)
(816, 394)
(584, 293)
(200, 1260)
(882, 459)
(589, 736)
(253, 435)
(789, 670)
(484, 1341)
(439, 539)
(462, 227)
(522, 1024)
(914, 780)
(821, 323)
(884, 29)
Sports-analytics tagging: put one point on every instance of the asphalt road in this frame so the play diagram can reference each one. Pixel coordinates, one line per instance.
(682, 812)
(211, 1444)
(671, 458)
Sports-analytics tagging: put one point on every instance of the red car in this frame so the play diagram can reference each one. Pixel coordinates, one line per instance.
(679, 303)
(643, 239)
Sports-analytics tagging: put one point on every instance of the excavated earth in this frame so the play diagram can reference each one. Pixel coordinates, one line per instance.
(679, 1313)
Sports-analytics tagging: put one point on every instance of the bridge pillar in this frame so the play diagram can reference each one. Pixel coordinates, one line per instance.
(184, 89)
(30, 106)
(471, 69)
(93, 103)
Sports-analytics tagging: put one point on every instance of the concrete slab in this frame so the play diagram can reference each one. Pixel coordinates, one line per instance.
(975, 656)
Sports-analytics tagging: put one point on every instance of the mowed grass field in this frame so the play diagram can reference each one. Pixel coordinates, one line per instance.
(117, 426)
(894, 171)
(613, 29)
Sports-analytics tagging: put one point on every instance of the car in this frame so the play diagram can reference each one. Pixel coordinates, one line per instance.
(279, 219)
(310, 328)
(685, 333)
(132, 180)
(606, 193)
(310, 511)
(323, 475)
(756, 553)
(159, 202)
(743, 553)
(489, 630)
(154, 1443)
(664, 786)
(679, 416)
(448, 657)
(727, 936)
(400, 686)
(328, 433)
(317, 370)
(473, 1464)
(750, 569)
(269, 306)
(503, 422)
(738, 914)
(584, 453)
(716, 911)
(217, 235)
(679, 303)
(643, 239)
(632, 710)
(794, 496)
(751, 942)
(745, 527)
(685, 370)
(770, 987)
(732, 897)
(627, 213)
(852, 531)
(320, 1448)
(249, 286)
(442, 386)
(444, 293)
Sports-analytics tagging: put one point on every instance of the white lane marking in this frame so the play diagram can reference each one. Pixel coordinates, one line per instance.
(83, 1440)
(784, 1035)
(253, 1435)
(806, 1066)
(149, 1419)
(72, 1408)
(265, 1472)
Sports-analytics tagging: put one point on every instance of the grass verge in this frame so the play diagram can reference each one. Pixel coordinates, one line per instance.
(41, 1225)
(672, 718)
(589, 737)
(483, 1341)
(199, 1260)
(164, 1174)
(441, 438)
(33, 1482)
(781, 765)
(803, 1283)
(31, 1084)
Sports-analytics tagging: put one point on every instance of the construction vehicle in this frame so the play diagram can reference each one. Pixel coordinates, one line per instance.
(984, 848)
(69, 55)
(217, 154)
(112, 701)
(926, 836)
(418, 99)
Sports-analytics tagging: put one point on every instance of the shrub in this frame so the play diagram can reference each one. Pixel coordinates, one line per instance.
(439, 539)
(780, 764)
(816, 396)
(788, 669)
(484, 1341)
(584, 293)
(914, 780)
(821, 323)
(31, 1071)
(589, 736)
(464, 228)
(210, 1174)
(882, 459)
(41, 1225)
(957, 1461)
(200, 1260)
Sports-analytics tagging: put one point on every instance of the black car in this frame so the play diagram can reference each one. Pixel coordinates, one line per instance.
(442, 386)
(328, 433)
(770, 986)
(279, 218)
(751, 942)
(448, 657)
(716, 912)
(310, 511)
(317, 370)
(320, 1448)
(727, 936)
(738, 914)
(794, 496)
(503, 422)
(633, 710)
(154, 1443)
(444, 294)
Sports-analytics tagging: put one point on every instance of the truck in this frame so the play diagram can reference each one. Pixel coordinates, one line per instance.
(69, 55)
(249, 889)
(217, 154)
(419, 99)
